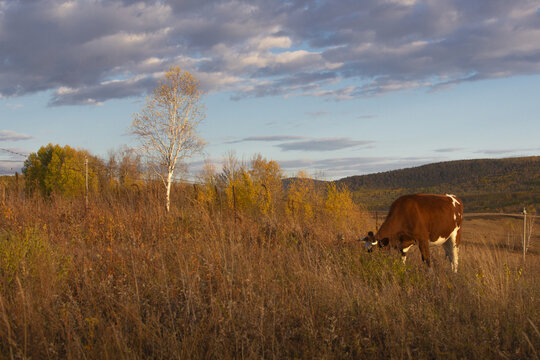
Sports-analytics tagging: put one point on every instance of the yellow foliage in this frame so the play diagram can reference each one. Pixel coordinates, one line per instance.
(27, 254)
(339, 205)
(301, 198)
(266, 176)
(241, 192)
(6, 213)
(257, 190)
(207, 192)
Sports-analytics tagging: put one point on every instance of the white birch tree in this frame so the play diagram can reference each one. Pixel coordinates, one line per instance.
(167, 125)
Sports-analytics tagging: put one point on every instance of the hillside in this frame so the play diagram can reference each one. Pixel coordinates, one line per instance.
(483, 184)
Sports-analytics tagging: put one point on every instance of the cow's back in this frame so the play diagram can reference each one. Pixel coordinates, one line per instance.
(424, 215)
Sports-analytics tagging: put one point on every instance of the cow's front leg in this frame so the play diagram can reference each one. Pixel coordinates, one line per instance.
(404, 253)
(405, 245)
(424, 250)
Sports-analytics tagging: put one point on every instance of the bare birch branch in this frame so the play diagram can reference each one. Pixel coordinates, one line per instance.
(166, 127)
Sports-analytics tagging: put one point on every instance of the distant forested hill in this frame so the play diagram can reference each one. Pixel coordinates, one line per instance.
(484, 184)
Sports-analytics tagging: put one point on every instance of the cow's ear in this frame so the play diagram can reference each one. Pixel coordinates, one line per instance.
(384, 242)
(370, 234)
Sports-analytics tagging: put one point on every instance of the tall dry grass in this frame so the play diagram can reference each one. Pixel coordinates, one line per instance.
(124, 279)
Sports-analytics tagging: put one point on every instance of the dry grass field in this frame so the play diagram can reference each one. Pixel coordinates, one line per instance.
(126, 280)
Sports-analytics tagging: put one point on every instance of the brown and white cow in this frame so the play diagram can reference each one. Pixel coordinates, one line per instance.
(422, 219)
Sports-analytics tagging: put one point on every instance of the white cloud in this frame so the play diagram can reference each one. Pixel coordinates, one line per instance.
(271, 42)
(336, 168)
(506, 151)
(258, 48)
(269, 138)
(14, 106)
(325, 144)
(318, 113)
(445, 150)
(8, 135)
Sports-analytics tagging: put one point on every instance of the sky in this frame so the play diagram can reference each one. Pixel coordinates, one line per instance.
(333, 87)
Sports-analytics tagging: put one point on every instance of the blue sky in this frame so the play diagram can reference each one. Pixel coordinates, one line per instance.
(337, 88)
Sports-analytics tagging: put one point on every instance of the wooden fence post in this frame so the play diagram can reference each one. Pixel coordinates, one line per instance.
(17, 193)
(524, 233)
(86, 182)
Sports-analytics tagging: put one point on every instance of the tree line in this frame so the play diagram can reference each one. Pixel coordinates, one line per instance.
(513, 174)
(62, 170)
(492, 185)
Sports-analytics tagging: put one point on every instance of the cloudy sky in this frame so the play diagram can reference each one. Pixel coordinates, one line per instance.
(334, 87)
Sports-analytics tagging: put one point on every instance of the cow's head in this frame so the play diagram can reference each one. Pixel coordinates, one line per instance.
(371, 240)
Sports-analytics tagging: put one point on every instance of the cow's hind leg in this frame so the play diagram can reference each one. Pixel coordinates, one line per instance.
(456, 251)
(452, 250)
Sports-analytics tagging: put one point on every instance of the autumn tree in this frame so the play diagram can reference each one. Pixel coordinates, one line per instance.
(167, 126)
(267, 176)
(237, 183)
(340, 208)
(208, 191)
(302, 198)
(57, 169)
(125, 167)
(252, 188)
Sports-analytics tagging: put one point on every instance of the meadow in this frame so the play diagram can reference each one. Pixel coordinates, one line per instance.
(222, 278)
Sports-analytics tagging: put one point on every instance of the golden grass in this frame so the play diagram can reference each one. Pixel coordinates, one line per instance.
(126, 280)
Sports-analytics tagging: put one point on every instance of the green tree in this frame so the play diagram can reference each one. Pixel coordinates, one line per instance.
(56, 169)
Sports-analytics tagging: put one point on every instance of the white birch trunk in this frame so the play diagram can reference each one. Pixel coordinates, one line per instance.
(169, 182)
